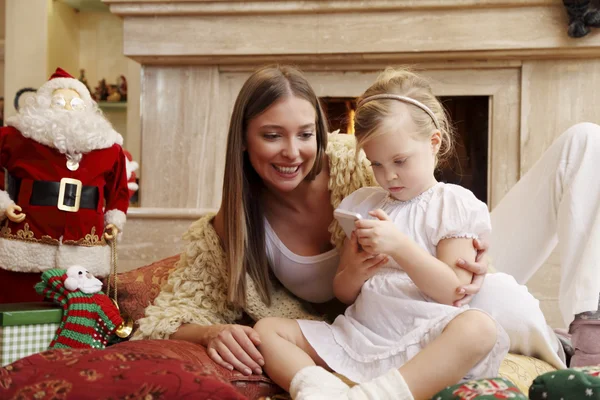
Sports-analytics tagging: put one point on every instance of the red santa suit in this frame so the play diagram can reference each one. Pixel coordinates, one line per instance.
(67, 201)
(131, 167)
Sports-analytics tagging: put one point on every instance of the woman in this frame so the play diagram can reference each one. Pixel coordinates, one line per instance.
(283, 178)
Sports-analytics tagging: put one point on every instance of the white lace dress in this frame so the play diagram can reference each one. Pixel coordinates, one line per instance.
(392, 320)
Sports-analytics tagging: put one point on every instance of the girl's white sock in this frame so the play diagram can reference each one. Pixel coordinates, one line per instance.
(316, 383)
(390, 386)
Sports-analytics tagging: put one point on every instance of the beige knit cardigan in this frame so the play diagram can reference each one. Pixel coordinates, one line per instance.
(196, 291)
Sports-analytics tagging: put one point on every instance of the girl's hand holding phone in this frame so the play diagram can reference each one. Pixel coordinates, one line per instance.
(379, 236)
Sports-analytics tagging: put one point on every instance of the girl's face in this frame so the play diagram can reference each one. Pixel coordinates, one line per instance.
(402, 159)
(282, 143)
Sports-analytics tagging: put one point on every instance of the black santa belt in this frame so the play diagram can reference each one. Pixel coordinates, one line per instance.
(68, 195)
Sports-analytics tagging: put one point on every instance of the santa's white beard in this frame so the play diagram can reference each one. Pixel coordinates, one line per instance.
(70, 132)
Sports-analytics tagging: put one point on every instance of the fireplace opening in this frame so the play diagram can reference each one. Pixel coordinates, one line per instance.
(469, 115)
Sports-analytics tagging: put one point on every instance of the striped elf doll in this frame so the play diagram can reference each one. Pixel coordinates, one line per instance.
(89, 316)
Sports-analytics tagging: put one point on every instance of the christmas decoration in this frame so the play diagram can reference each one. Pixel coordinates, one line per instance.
(131, 166)
(90, 317)
(583, 14)
(66, 186)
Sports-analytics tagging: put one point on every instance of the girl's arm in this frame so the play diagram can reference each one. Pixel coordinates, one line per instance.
(355, 267)
(439, 278)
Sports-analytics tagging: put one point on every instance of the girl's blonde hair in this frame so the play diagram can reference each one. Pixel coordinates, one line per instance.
(370, 115)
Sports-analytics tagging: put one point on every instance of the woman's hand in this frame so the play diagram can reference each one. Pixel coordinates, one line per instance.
(234, 347)
(479, 268)
(356, 266)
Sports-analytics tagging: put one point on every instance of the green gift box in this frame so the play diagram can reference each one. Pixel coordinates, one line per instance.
(27, 328)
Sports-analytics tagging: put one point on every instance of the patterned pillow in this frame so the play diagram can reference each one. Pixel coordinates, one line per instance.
(117, 372)
(522, 370)
(483, 389)
(572, 384)
(142, 365)
(138, 288)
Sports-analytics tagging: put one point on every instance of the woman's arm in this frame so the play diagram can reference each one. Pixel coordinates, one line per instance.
(479, 268)
(185, 310)
(229, 345)
(356, 266)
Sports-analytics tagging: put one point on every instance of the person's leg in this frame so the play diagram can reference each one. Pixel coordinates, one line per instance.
(285, 349)
(519, 313)
(557, 201)
(465, 341)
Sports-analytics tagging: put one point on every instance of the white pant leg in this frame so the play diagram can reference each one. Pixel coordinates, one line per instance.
(519, 313)
(557, 201)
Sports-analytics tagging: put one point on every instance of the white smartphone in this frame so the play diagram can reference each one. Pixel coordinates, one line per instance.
(346, 220)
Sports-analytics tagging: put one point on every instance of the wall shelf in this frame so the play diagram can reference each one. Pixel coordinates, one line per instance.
(113, 105)
(87, 5)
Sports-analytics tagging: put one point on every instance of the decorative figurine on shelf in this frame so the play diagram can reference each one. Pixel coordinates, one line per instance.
(583, 15)
(122, 85)
(66, 194)
(90, 317)
(131, 166)
(83, 79)
(101, 91)
(113, 94)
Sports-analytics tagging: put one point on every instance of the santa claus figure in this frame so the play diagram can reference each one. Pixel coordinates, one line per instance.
(131, 167)
(65, 187)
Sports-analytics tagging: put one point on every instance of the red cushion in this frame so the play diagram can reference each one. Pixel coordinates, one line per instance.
(138, 288)
(167, 369)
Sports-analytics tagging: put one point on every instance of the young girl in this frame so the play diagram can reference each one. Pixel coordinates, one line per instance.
(401, 314)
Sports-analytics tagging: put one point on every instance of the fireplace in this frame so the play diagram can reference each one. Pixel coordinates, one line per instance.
(469, 115)
(513, 55)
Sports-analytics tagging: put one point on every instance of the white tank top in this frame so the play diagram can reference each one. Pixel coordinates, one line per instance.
(309, 278)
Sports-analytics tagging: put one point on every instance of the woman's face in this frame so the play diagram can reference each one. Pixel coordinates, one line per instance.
(282, 143)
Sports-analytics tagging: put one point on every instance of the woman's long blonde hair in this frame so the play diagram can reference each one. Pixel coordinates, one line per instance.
(370, 116)
(243, 216)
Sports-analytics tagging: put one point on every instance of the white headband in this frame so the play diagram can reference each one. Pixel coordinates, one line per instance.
(405, 100)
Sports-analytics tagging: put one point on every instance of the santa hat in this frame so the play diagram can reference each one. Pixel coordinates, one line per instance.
(61, 79)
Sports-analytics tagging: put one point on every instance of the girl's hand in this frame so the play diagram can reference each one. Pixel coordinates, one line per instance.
(378, 236)
(360, 262)
(479, 268)
(234, 347)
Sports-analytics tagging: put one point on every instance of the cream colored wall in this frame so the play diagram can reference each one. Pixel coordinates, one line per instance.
(133, 141)
(63, 38)
(2, 16)
(101, 55)
(25, 49)
(2, 35)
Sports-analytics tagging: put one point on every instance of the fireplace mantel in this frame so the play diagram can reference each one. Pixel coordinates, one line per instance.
(342, 31)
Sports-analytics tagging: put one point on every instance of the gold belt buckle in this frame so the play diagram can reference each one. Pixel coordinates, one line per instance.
(61, 195)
